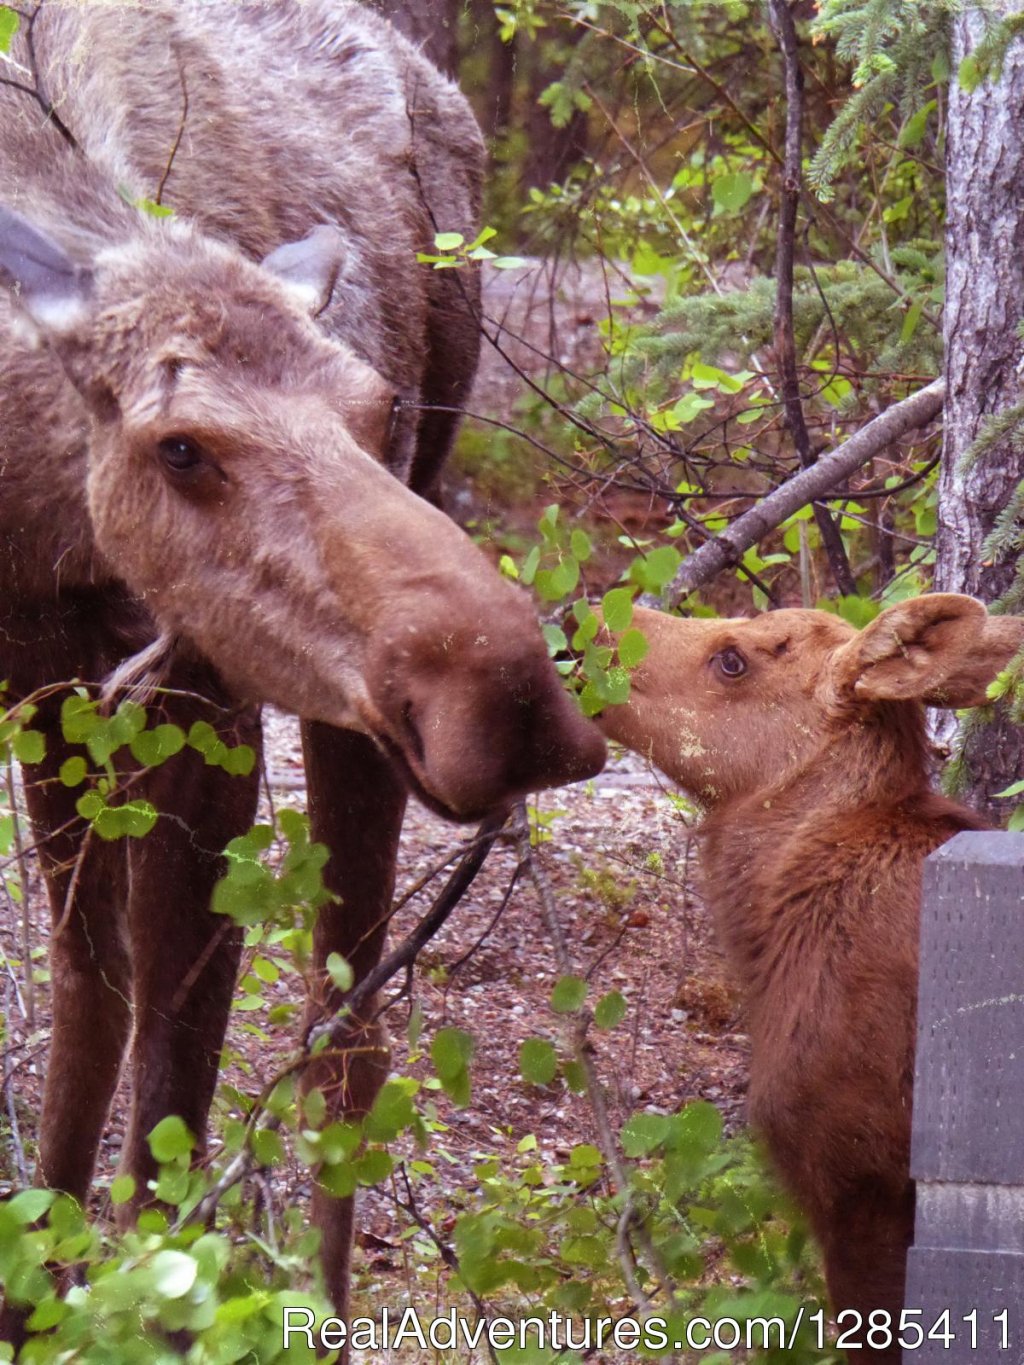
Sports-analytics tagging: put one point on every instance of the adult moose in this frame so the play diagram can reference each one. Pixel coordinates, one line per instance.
(805, 741)
(211, 426)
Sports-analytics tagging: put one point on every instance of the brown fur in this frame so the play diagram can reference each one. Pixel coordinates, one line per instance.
(290, 563)
(813, 766)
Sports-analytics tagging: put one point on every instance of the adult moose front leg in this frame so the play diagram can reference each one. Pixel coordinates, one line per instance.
(89, 972)
(185, 958)
(356, 805)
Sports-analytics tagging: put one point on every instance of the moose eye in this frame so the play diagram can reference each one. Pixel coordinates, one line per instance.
(180, 454)
(731, 663)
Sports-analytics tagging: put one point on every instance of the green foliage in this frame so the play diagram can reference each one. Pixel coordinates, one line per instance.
(898, 51)
(454, 251)
(9, 21)
(709, 1213)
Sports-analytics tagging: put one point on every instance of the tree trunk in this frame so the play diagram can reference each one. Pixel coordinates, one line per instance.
(984, 306)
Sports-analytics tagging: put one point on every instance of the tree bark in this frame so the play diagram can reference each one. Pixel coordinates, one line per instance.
(983, 351)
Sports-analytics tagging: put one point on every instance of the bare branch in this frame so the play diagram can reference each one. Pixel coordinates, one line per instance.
(829, 472)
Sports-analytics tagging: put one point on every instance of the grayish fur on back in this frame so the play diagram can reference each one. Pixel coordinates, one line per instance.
(296, 114)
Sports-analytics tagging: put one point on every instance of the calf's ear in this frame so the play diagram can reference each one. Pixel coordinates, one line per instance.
(942, 649)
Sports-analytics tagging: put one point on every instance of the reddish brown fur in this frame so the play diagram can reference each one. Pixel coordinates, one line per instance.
(813, 767)
(292, 563)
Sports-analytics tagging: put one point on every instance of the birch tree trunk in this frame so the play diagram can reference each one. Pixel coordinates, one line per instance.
(983, 351)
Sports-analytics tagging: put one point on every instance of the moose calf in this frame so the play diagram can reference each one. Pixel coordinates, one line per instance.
(805, 741)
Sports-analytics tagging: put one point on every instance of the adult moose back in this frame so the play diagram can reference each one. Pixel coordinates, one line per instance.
(211, 427)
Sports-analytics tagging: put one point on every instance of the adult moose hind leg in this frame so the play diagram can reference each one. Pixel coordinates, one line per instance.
(356, 804)
(185, 958)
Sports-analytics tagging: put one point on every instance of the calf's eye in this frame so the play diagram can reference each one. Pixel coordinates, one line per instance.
(731, 663)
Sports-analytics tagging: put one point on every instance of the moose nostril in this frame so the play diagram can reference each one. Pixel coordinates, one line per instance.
(412, 734)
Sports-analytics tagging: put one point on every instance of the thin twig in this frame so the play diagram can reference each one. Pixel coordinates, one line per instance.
(158, 197)
(21, 862)
(785, 345)
(8, 1091)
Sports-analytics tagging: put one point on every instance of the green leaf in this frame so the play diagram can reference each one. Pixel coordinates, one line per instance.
(689, 407)
(575, 1076)
(554, 638)
(633, 648)
(509, 262)
(174, 1273)
(538, 1061)
(530, 565)
(732, 190)
(568, 995)
(710, 377)
(393, 1111)
(72, 771)
(133, 819)
(451, 1051)
(915, 127)
(267, 1147)
(314, 1107)
(29, 746)
(617, 608)
(29, 1205)
(579, 543)
(9, 21)
(610, 1010)
(655, 570)
(696, 1130)
(1014, 789)
(911, 321)
(373, 1167)
(448, 241)
(170, 1139)
(643, 1132)
(153, 209)
(122, 1189)
(858, 611)
(152, 747)
(340, 972)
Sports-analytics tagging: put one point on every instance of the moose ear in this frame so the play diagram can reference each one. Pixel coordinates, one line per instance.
(54, 291)
(942, 649)
(310, 268)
